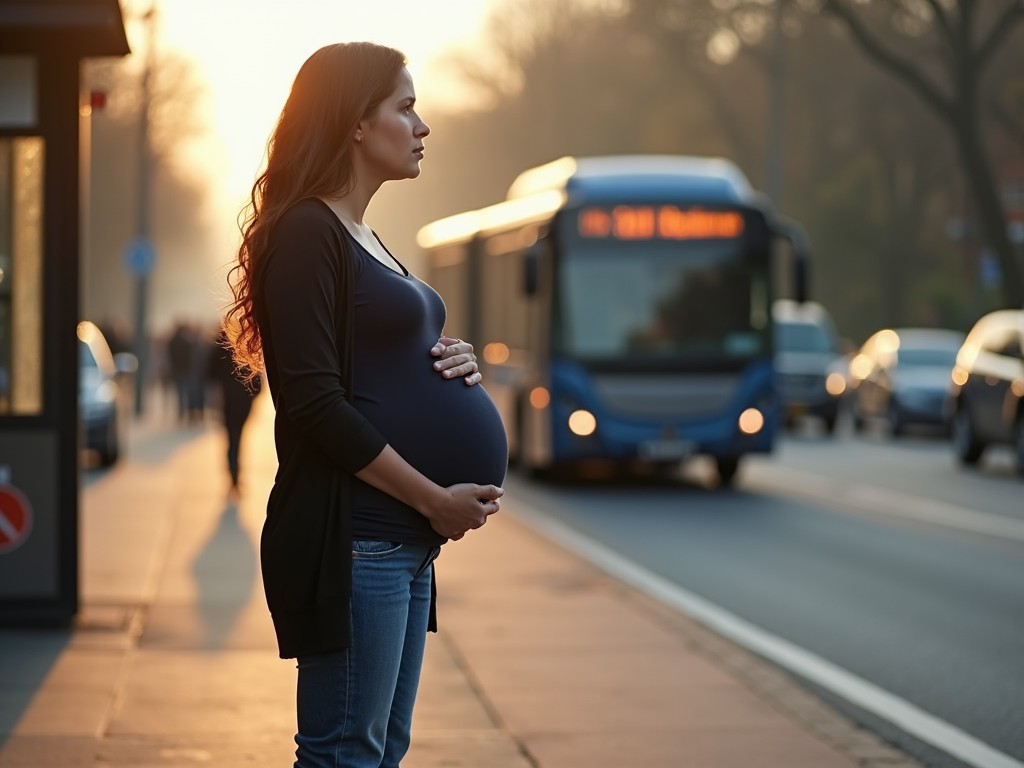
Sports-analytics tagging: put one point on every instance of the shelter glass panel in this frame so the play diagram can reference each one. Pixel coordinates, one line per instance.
(21, 276)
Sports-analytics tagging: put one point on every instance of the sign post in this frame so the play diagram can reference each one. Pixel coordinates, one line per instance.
(139, 258)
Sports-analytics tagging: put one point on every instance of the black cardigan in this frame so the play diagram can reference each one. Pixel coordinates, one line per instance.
(306, 319)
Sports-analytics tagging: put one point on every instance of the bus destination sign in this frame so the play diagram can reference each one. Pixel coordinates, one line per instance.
(662, 222)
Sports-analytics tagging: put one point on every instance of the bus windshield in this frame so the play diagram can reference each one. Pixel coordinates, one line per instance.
(662, 301)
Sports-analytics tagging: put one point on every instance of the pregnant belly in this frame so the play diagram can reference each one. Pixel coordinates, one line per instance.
(448, 431)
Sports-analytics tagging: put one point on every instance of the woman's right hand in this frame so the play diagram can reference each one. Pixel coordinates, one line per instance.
(462, 508)
(450, 511)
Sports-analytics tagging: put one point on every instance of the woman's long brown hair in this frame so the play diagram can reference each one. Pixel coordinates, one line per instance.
(308, 155)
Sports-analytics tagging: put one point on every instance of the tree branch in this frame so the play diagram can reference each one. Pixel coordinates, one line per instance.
(899, 67)
(1011, 16)
(1005, 121)
(942, 18)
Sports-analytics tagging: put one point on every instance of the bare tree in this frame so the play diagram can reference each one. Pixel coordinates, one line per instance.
(869, 174)
(958, 40)
(172, 99)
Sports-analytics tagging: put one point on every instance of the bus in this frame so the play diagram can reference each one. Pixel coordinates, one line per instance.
(622, 306)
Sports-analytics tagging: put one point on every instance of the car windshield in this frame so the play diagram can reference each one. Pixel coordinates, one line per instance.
(922, 357)
(802, 337)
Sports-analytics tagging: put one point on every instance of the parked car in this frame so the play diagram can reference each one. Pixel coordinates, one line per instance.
(987, 389)
(901, 375)
(808, 362)
(99, 393)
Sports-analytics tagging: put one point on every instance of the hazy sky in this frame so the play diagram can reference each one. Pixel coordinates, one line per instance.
(249, 51)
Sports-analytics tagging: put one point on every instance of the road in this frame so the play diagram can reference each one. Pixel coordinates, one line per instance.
(879, 556)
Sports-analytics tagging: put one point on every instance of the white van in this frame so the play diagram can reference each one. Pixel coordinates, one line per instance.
(808, 362)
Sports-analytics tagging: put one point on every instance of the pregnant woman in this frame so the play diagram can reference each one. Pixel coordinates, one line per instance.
(386, 445)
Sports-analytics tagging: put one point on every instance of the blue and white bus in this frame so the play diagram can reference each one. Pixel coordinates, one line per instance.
(622, 306)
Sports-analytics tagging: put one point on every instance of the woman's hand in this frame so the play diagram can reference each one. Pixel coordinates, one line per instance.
(462, 508)
(456, 358)
(450, 511)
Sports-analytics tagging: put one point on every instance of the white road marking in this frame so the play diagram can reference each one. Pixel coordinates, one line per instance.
(882, 501)
(856, 690)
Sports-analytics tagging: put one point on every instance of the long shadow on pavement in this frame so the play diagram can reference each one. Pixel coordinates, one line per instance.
(224, 571)
(28, 657)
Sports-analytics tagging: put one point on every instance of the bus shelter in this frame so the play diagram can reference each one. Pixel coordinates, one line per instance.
(42, 45)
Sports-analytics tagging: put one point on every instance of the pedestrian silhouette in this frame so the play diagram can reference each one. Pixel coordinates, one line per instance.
(234, 398)
(180, 367)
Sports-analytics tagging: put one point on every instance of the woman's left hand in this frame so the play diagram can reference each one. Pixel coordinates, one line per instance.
(456, 358)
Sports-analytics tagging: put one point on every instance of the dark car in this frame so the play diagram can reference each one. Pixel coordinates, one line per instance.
(808, 363)
(99, 393)
(987, 389)
(901, 376)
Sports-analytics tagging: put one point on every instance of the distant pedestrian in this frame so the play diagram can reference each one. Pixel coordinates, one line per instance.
(181, 368)
(234, 397)
(382, 456)
(197, 374)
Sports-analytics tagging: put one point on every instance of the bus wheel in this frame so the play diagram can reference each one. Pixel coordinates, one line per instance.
(727, 467)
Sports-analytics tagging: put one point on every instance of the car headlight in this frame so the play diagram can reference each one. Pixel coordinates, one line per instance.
(835, 384)
(106, 392)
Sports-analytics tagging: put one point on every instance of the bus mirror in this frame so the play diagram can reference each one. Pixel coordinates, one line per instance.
(797, 238)
(800, 280)
(531, 269)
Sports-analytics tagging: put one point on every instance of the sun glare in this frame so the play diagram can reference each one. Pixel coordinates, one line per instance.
(248, 52)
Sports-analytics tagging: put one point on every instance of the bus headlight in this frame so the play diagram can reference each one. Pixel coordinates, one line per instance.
(751, 421)
(582, 423)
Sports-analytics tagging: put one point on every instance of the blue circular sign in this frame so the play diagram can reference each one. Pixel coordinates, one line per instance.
(139, 256)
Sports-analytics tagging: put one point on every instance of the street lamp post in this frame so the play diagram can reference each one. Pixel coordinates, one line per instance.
(140, 253)
(777, 111)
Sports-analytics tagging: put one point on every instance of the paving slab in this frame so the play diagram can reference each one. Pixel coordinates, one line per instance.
(692, 749)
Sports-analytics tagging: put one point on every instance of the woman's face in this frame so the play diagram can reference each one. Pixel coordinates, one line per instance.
(390, 142)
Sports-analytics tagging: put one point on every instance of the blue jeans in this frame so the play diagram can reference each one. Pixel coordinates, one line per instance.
(355, 706)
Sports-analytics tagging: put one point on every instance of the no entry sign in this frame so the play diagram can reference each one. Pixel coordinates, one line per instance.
(15, 518)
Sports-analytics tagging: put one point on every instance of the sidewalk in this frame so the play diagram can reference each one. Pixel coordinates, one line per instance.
(541, 662)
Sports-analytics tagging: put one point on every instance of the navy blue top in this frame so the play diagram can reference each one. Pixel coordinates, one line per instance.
(449, 431)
